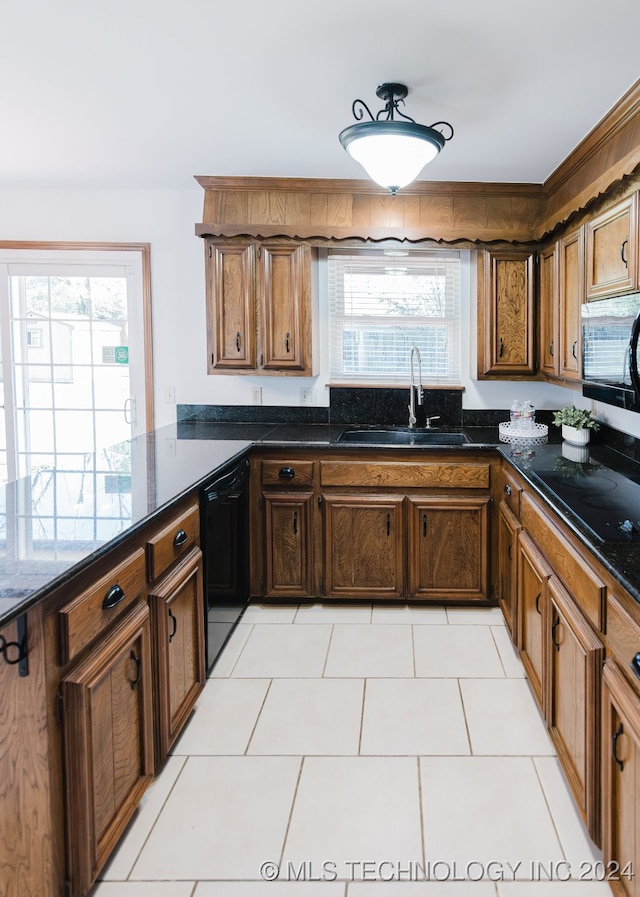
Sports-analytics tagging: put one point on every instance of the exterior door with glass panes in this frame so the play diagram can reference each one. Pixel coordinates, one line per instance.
(73, 365)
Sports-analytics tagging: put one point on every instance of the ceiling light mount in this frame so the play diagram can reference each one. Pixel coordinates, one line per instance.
(392, 152)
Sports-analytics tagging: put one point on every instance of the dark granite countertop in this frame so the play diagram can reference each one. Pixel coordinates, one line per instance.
(620, 558)
(43, 547)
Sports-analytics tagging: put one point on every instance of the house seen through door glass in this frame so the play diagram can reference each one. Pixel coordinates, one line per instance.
(73, 389)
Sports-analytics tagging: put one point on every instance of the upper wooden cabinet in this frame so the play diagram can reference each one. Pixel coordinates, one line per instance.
(259, 307)
(506, 343)
(612, 249)
(549, 311)
(571, 278)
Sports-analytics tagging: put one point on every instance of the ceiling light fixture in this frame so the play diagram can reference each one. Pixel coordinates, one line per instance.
(392, 152)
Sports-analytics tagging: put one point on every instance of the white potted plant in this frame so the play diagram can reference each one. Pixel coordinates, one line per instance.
(576, 424)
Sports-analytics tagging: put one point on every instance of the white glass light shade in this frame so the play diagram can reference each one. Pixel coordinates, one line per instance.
(392, 153)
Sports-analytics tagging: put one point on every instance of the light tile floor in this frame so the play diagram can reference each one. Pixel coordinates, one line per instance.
(362, 752)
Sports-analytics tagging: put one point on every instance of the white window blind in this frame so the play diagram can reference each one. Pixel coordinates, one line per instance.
(382, 305)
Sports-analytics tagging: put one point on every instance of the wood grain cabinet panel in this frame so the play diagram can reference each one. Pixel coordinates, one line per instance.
(285, 303)
(259, 307)
(508, 529)
(231, 306)
(574, 660)
(548, 287)
(364, 546)
(612, 250)
(572, 295)
(448, 548)
(508, 318)
(108, 744)
(288, 544)
(533, 574)
(620, 780)
(177, 614)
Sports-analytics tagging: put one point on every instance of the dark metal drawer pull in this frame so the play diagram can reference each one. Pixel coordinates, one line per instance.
(501, 348)
(635, 664)
(573, 349)
(295, 523)
(138, 663)
(507, 489)
(180, 538)
(114, 596)
(556, 623)
(238, 341)
(286, 473)
(622, 252)
(538, 603)
(614, 744)
(388, 524)
(287, 342)
(424, 525)
(174, 620)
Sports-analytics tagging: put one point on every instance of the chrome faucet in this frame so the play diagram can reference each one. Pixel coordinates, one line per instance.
(413, 388)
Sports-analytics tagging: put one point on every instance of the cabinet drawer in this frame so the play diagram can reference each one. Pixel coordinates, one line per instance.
(397, 474)
(290, 473)
(172, 542)
(91, 612)
(510, 493)
(587, 588)
(623, 639)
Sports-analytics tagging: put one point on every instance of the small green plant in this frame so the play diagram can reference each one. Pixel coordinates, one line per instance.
(575, 417)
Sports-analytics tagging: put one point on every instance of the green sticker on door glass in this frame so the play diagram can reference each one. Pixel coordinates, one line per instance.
(122, 355)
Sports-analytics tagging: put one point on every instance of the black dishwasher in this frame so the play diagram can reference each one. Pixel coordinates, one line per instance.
(225, 545)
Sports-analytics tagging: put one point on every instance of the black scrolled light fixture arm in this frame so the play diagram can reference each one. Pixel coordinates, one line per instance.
(393, 94)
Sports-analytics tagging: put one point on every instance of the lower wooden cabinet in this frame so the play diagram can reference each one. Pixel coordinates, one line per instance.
(448, 548)
(620, 781)
(533, 573)
(508, 529)
(364, 546)
(178, 630)
(574, 661)
(108, 743)
(288, 545)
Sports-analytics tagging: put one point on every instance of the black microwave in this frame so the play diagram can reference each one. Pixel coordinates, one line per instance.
(610, 331)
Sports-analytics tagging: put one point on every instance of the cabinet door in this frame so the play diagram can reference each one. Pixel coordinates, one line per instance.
(509, 314)
(288, 545)
(508, 530)
(621, 780)
(549, 311)
(571, 299)
(363, 546)
(231, 306)
(448, 548)
(533, 574)
(574, 660)
(108, 744)
(285, 325)
(612, 250)
(177, 606)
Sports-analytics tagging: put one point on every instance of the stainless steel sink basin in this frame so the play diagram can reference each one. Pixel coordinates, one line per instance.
(402, 436)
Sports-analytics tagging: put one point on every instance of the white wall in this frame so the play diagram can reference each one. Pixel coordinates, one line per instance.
(166, 220)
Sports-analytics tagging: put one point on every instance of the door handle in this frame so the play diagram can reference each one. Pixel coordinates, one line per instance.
(295, 523)
(538, 603)
(287, 343)
(180, 538)
(138, 663)
(114, 596)
(237, 340)
(174, 620)
(623, 255)
(500, 348)
(388, 524)
(130, 411)
(556, 623)
(614, 746)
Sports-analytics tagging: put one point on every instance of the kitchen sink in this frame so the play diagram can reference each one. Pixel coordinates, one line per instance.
(402, 436)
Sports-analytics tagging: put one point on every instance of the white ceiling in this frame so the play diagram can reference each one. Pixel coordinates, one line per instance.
(148, 93)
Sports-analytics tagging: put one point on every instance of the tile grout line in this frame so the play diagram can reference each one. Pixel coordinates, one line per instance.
(253, 729)
(466, 721)
(290, 817)
(159, 813)
(326, 656)
(364, 697)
